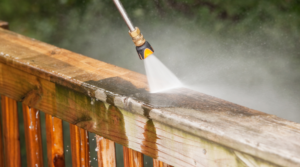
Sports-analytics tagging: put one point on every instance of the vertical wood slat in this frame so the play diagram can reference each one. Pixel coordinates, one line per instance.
(1, 144)
(132, 158)
(79, 146)
(11, 138)
(106, 152)
(33, 137)
(157, 163)
(55, 146)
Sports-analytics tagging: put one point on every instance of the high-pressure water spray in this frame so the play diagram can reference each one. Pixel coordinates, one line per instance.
(143, 47)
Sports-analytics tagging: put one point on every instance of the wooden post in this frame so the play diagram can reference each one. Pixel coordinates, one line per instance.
(33, 137)
(157, 163)
(55, 146)
(106, 152)
(132, 158)
(11, 138)
(79, 146)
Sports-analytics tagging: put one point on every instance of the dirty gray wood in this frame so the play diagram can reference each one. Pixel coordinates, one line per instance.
(182, 127)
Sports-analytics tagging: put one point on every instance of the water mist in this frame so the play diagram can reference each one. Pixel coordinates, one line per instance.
(160, 78)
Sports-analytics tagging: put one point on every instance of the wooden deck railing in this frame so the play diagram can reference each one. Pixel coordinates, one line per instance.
(183, 128)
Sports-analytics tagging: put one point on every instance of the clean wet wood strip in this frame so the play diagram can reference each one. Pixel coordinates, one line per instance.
(11, 136)
(33, 137)
(55, 145)
(180, 128)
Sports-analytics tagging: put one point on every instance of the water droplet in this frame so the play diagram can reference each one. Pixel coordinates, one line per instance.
(67, 150)
(97, 149)
(36, 165)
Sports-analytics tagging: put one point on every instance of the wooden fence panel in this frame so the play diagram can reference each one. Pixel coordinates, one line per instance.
(79, 146)
(1, 144)
(33, 137)
(11, 138)
(157, 163)
(106, 152)
(55, 146)
(132, 158)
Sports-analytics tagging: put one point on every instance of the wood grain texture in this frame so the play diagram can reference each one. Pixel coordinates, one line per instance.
(105, 152)
(55, 145)
(4, 25)
(181, 128)
(33, 137)
(79, 146)
(11, 138)
(157, 163)
(132, 158)
(1, 143)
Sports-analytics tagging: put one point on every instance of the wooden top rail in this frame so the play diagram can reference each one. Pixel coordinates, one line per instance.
(182, 128)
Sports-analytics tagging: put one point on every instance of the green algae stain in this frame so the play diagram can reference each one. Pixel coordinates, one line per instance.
(149, 146)
(116, 125)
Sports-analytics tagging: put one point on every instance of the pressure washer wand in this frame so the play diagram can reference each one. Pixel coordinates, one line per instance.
(143, 47)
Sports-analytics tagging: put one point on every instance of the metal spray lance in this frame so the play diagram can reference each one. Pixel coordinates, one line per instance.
(143, 47)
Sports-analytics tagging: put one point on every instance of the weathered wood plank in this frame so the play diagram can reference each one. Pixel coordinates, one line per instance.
(181, 128)
(79, 146)
(157, 163)
(55, 145)
(33, 136)
(132, 158)
(105, 152)
(11, 138)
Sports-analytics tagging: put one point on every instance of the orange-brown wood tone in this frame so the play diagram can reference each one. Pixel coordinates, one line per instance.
(106, 152)
(4, 25)
(33, 137)
(11, 138)
(1, 144)
(157, 163)
(79, 146)
(55, 146)
(132, 158)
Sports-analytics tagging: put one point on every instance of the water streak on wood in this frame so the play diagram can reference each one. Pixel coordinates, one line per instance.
(157, 163)
(79, 146)
(132, 158)
(33, 136)
(106, 152)
(55, 145)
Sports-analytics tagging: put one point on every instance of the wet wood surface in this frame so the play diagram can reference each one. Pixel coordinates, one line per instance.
(157, 163)
(132, 158)
(181, 128)
(33, 137)
(79, 146)
(11, 138)
(105, 152)
(55, 145)
(1, 143)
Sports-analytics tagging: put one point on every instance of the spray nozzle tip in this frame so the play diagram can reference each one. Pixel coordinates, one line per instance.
(145, 50)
